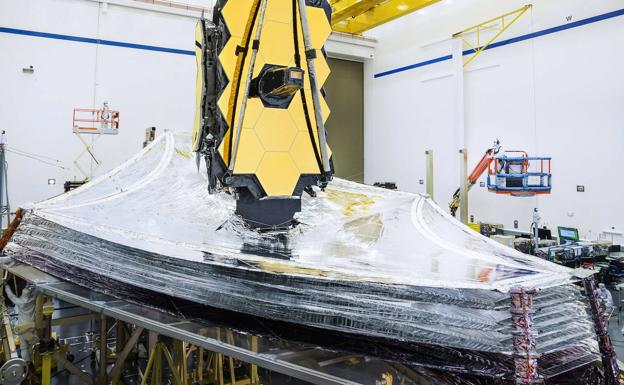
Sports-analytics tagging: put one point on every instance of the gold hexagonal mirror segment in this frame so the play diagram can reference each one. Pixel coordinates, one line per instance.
(280, 183)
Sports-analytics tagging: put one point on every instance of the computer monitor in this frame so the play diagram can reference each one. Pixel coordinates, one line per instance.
(543, 233)
(567, 234)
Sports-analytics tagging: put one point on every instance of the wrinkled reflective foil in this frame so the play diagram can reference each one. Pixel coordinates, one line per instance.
(364, 261)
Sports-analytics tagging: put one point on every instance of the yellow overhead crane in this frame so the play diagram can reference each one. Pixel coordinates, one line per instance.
(357, 16)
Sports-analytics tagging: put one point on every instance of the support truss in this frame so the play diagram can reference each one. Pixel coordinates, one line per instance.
(499, 24)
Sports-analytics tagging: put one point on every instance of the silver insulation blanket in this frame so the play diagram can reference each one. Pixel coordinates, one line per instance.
(364, 260)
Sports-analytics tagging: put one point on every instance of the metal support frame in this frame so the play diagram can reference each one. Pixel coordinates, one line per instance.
(103, 375)
(8, 340)
(74, 319)
(429, 179)
(5, 208)
(241, 53)
(181, 352)
(46, 368)
(217, 365)
(253, 369)
(607, 352)
(252, 63)
(88, 149)
(154, 366)
(61, 360)
(14, 369)
(49, 352)
(229, 337)
(524, 337)
(222, 348)
(44, 332)
(122, 354)
(121, 337)
(478, 29)
(314, 89)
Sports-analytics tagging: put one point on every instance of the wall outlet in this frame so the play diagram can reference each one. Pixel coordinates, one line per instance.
(580, 188)
(421, 181)
(481, 184)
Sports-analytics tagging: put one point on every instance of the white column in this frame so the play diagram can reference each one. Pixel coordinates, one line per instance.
(460, 129)
(463, 185)
(458, 74)
(429, 180)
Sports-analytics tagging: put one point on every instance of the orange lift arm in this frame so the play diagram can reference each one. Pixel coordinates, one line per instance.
(475, 175)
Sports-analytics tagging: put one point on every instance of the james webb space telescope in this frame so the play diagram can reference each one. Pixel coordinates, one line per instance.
(259, 122)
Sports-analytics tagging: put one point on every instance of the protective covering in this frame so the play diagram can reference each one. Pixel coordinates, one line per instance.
(364, 260)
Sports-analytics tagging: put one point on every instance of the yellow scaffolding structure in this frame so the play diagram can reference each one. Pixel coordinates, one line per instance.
(504, 24)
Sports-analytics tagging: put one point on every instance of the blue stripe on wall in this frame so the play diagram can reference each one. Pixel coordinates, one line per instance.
(517, 39)
(95, 41)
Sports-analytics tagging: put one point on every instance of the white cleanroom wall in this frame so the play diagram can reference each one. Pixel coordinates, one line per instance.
(148, 87)
(559, 94)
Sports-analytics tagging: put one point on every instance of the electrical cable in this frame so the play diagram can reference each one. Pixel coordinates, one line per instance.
(95, 83)
(32, 154)
(534, 96)
(37, 159)
(26, 153)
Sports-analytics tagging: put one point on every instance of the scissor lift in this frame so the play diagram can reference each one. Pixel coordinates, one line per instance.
(97, 122)
(103, 121)
(516, 173)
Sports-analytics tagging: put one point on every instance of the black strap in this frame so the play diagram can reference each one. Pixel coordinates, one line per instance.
(237, 85)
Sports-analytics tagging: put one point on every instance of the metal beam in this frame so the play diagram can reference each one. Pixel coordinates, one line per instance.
(103, 375)
(74, 319)
(140, 316)
(61, 360)
(374, 13)
(115, 374)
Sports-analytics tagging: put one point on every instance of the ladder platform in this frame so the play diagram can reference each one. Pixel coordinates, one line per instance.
(95, 130)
